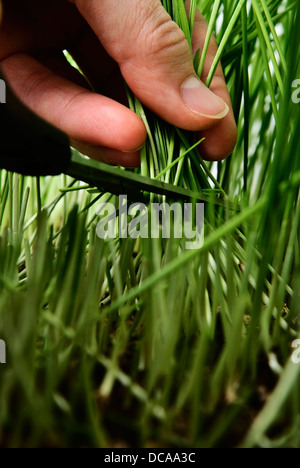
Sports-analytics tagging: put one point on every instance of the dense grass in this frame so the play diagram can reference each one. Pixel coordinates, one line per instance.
(141, 343)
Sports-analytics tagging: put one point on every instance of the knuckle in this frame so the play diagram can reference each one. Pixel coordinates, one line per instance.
(160, 38)
(165, 37)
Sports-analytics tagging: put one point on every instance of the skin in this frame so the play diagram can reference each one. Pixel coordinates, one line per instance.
(111, 40)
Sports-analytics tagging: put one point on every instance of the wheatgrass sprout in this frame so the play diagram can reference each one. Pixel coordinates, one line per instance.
(139, 342)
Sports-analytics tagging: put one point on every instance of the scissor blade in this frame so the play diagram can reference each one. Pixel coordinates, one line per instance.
(119, 182)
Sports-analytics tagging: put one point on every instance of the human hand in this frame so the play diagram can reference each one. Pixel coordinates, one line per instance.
(112, 40)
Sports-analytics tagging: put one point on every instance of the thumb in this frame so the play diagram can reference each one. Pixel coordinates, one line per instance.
(155, 60)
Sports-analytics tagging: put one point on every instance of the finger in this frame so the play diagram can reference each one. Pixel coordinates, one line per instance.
(86, 117)
(155, 60)
(60, 66)
(221, 139)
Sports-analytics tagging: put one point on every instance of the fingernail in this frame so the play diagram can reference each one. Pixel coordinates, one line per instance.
(134, 151)
(201, 100)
